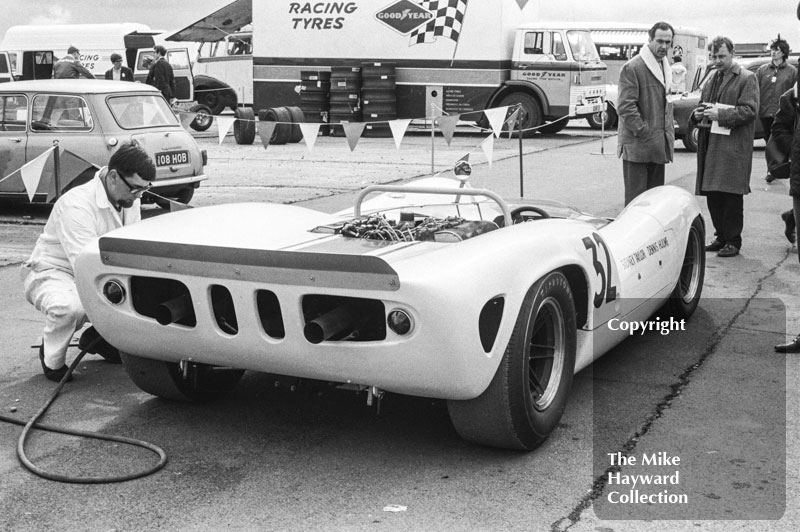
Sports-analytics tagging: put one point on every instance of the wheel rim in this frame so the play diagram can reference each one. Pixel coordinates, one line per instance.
(202, 119)
(690, 271)
(546, 354)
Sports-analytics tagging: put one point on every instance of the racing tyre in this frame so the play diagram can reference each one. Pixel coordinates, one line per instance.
(297, 117)
(690, 138)
(164, 379)
(244, 128)
(596, 119)
(529, 391)
(686, 295)
(531, 114)
(204, 118)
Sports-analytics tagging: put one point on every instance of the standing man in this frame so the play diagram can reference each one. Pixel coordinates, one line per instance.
(724, 160)
(69, 66)
(160, 75)
(119, 72)
(774, 78)
(107, 202)
(646, 136)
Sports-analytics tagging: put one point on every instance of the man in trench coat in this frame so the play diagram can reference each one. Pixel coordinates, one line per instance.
(724, 161)
(646, 135)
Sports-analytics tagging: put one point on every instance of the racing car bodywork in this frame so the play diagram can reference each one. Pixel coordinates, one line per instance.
(434, 289)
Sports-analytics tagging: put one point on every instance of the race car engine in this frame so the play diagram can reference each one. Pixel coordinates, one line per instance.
(413, 228)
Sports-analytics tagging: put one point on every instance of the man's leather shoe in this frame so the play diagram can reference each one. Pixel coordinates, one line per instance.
(92, 342)
(789, 230)
(54, 375)
(728, 251)
(791, 347)
(716, 245)
(770, 178)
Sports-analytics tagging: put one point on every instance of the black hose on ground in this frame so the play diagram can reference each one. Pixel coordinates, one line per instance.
(31, 424)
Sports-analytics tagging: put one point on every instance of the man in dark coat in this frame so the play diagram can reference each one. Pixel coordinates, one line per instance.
(160, 75)
(69, 67)
(646, 135)
(728, 108)
(119, 72)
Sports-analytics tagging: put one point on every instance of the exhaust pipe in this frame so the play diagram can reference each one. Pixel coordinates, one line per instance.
(173, 310)
(328, 325)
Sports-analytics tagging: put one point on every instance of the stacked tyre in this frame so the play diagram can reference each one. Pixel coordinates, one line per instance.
(286, 128)
(345, 98)
(378, 98)
(315, 88)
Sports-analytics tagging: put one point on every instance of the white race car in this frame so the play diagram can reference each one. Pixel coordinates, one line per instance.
(434, 289)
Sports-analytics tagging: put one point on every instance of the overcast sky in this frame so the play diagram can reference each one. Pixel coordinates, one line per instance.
(741, 20)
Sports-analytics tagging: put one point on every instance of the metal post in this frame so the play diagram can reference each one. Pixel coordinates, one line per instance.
(603, 118)
(519, 131)
(57, 169)
(433, 134)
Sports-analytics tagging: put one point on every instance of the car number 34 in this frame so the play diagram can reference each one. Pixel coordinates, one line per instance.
(607, 292)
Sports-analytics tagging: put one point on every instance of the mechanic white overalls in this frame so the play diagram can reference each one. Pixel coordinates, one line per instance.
(77, 218)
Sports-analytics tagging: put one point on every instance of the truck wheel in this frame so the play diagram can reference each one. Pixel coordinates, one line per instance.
(690, 138)
(244, 128)
(686, 296)
(529, 391)
(164, 379)
(204, 118)
(211, 98)
(531, 112)
(610, 116)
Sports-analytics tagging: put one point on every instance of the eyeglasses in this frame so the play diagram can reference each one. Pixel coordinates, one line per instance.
(135, 190)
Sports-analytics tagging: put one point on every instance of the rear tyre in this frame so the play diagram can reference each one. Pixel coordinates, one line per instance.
(530, 113)
(686, 295)
(690, 138)
(244, 128)
(204, 118)
(164, 379)
(529, 391)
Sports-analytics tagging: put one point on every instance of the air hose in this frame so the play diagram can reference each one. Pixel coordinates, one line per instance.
(32, 424)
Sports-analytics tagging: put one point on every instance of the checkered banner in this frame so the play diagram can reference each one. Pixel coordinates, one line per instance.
(447, 23)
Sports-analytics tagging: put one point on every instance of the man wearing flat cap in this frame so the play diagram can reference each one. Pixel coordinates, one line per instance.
(119, 72)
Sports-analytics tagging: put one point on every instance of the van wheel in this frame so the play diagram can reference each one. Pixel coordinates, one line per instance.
(164, 379)
(244, 128)
(529, 391)
(204, 118)
(530, 113)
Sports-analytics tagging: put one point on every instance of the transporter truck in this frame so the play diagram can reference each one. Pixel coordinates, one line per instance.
(450, 56)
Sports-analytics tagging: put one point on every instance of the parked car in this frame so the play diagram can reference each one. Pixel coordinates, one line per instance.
(433, 289)
(90, 119)
(684, 129)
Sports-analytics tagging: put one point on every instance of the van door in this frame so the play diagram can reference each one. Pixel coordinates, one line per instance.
(178, 58)
(13, 140)
(6, 74)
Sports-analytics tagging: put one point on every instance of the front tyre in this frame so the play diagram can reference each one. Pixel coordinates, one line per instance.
(690, 138)
(165, 379)
(530, 112)
(686, 295)
(529, 391)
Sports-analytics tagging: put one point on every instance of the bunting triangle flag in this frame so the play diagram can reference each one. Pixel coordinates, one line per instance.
(70, 168)
(32, 172)
(310, 133)
(353, 130)
(265, 131)
(522, 3)
(224, 124)
(511, 122)
(448, 126)
(495, 116)
(399, 128)
(488, 148)
(187, 119)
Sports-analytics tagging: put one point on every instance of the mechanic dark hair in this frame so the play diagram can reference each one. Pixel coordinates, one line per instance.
(160, 50)
(131, 158)
(782, 45)
(72, 50)
(660, 26)
(718, 41)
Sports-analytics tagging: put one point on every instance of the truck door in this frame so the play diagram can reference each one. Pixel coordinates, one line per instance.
(178, 58)
(13, 140)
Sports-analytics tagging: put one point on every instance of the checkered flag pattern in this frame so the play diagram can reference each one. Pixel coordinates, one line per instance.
(447, 23)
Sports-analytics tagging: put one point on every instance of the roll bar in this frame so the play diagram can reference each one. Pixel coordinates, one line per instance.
(455, 191)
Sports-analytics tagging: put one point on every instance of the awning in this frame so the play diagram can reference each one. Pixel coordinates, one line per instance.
(217, 25)
(619, 37)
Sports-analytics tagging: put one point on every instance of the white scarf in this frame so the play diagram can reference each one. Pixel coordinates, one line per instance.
(650, 60)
